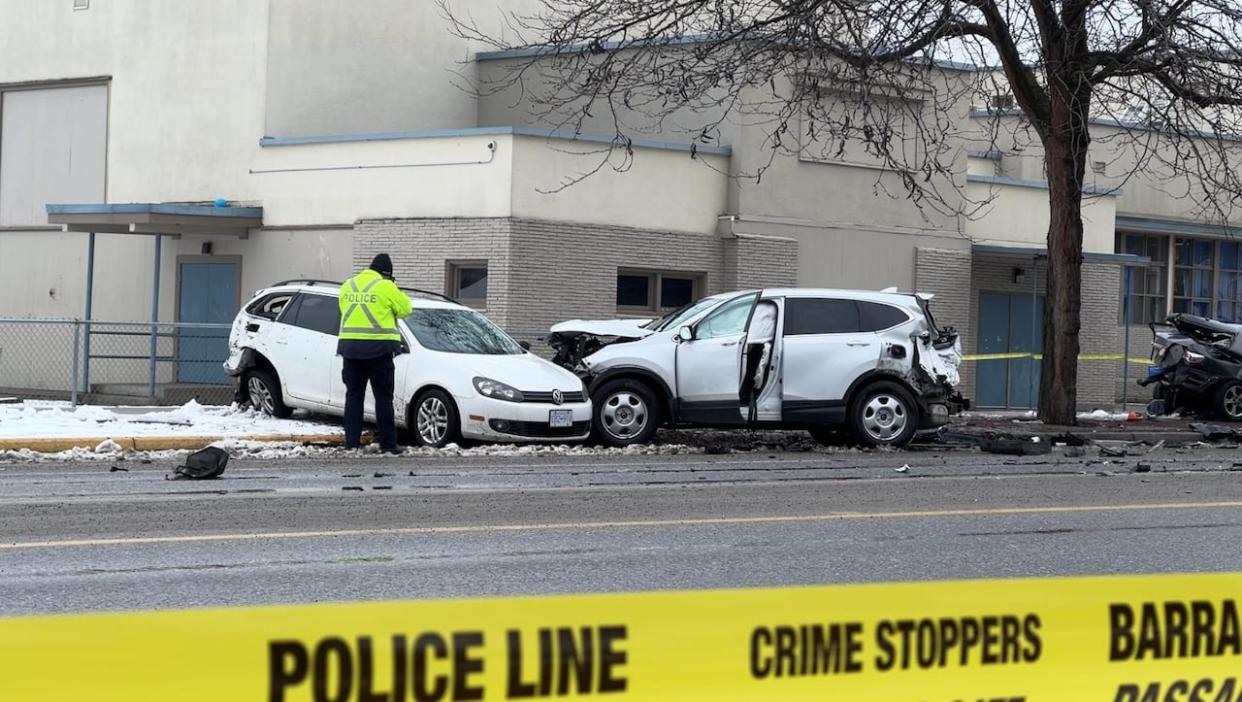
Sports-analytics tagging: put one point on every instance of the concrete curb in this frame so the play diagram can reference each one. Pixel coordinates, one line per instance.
(161, 443)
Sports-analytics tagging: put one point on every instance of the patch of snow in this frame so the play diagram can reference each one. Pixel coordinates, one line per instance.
(266, 450)
(108, 446)
(39, 420)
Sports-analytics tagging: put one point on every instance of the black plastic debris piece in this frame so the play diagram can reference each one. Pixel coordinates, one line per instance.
(1215, 432)
(118, 469)
(382, 487)
(1142, 468)
(353, 488)
(1015, 447)
(382, 475)
(206, 464)
(1069, 439)
(352, 475)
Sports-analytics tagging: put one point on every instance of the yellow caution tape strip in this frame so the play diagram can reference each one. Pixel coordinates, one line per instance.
(1040, 357)
(1122, 639)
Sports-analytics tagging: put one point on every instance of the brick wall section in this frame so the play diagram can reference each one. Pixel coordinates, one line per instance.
(1101, 298)
(945, 273)
(752, 261)
(542, 272)
(1097, 380)
(421, 249)
(1140, 348)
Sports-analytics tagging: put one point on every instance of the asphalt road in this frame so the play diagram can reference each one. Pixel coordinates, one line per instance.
(79, 537)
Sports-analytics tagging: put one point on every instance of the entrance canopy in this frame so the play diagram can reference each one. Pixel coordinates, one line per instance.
(156, 218)
(150, 219)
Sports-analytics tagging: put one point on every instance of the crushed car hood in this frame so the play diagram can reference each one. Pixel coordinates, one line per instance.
(629, 328)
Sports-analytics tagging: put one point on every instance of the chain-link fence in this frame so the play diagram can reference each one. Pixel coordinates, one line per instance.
(114, 362)
(128, 362)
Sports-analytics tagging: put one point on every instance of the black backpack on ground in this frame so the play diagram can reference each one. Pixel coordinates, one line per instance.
(203, 465)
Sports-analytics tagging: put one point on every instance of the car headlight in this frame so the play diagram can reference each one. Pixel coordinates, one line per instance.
(1192, 357)
(497, 390)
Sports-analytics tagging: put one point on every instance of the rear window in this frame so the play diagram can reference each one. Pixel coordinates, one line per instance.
(814, 315)
(269, 306)
(875, 316)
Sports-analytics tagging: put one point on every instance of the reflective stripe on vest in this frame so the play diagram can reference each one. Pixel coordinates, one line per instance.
(375, 328)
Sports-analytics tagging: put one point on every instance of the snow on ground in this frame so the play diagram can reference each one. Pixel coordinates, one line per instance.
(1022, 415)
(111, 451)
(57, 420)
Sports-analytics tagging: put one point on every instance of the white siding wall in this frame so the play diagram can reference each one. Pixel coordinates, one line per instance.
(53, 145)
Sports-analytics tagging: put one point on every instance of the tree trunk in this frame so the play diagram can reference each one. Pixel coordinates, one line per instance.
(1066, 155)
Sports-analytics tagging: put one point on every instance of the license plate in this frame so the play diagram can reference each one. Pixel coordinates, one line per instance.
(559, 419)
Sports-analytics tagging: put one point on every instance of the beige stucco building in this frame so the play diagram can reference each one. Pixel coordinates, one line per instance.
(331, 130)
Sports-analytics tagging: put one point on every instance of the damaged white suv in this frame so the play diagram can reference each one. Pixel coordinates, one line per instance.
(871, 363)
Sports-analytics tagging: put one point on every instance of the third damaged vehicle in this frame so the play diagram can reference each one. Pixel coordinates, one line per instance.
(873, 365)
(1196, 367)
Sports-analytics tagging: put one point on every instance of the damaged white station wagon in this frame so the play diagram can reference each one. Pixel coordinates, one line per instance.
(872, 363)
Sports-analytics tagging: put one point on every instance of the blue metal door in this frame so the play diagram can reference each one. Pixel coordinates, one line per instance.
(1009, 324)
(207, 292)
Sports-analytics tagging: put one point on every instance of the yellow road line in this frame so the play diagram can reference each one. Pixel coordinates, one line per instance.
(712, 521)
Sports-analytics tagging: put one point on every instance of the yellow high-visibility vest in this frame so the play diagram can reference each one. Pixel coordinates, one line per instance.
(370, 308)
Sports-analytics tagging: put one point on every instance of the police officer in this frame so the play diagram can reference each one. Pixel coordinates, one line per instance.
(371, 304)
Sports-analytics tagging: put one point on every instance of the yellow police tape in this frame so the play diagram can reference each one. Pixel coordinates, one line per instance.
(1040, 357)
(1117, 639)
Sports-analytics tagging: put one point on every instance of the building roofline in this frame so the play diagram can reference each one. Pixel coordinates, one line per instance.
(1105, 122)
(496, 131)
(1039, 251)
(1131, 223)
(1035, 184)
(538, 50)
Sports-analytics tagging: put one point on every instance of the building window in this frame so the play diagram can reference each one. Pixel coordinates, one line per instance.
(1146, 286)
(1194, 261)
(467, 282)
(646, 292)
(1229, 283)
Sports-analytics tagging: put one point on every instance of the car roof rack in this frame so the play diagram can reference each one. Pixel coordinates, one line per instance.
(306, 281)
(426, 294)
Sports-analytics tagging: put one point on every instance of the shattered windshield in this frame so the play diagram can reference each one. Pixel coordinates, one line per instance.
(460, 331)
(682, 314)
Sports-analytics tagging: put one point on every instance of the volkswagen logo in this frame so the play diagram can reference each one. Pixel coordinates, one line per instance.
(558, 397)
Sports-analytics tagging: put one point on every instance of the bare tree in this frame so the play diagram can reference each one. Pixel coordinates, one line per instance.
(1163, 78)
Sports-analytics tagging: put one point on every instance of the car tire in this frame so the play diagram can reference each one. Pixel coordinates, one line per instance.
(883, 414)
(831, 436)
(1227, 401)
(263, 391)
(624, 412)
(434, 421)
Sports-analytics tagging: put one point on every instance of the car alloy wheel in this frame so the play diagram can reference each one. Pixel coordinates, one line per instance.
(433, 421)
(884, 417)
(260, 395)
(1231, 401)
(625, 415)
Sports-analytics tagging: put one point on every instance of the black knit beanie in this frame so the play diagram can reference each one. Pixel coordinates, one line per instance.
(382, 264)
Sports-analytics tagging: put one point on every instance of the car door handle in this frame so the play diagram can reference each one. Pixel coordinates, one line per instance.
(252, 327)
(731, 343)
(858, 343)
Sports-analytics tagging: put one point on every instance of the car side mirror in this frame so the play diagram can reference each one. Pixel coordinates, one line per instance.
(525, 345)
(686, 333)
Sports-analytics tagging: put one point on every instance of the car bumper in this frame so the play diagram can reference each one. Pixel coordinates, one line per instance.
(237, 362)
(485, 419)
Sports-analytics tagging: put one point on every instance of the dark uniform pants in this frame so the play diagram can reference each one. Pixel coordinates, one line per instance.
(356, 373)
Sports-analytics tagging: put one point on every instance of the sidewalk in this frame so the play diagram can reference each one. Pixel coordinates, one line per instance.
(1098, 426)
(50, 427)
